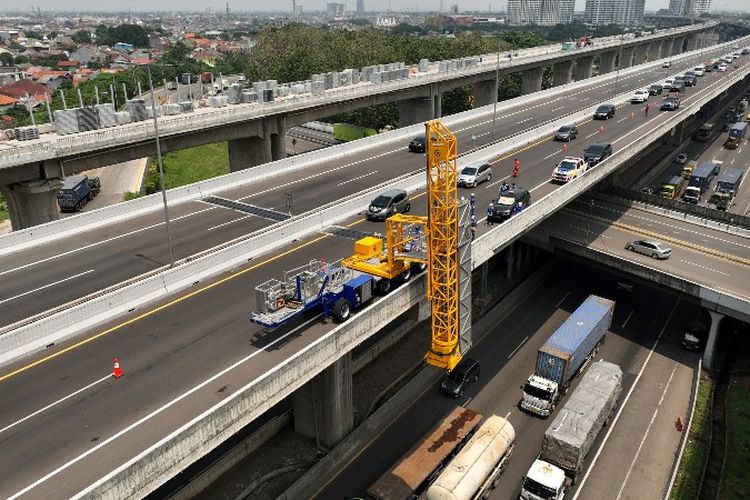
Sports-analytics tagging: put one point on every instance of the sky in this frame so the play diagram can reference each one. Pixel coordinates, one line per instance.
(311, 5)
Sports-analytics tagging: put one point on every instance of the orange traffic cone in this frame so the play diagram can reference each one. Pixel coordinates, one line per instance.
(116, 371)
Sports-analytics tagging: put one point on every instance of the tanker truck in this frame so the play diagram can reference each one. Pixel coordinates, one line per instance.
(568, 440)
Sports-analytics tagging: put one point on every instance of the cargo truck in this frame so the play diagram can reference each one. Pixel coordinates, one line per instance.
(700, 181)
(571, 435)
(565, 354)
(345, 132)
(671, 187)
(736, 134)
(74, 194)
(726, 188)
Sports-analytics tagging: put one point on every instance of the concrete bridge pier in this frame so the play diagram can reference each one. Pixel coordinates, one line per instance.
(562, 73)
(583, 68)
(31, 203)
(692, 42)
(708, 353)
(641, 53)
(485, 93)
(626, 57)
(677, 43)
(269, 145)
(421, 109)
(323, 407)
(654, 50)
(531, 80)
(607, 62)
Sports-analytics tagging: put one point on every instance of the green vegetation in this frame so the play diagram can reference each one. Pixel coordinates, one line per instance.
(688, 481)
(83, 36)
(127, 33)
(736, 480)
(188, 165)
(3, 208)
(131, 195)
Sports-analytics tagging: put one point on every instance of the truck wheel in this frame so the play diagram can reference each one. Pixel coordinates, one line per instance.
(418, 267)
(384, 286)
(341, 310)
(407, 207)
(405, 276)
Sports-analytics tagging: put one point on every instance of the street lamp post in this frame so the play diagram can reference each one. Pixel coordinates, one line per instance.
(161, 168)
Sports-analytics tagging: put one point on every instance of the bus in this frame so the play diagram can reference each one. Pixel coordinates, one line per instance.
(421, 465)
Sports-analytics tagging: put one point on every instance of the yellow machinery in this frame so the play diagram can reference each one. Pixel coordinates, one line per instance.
(431, 240)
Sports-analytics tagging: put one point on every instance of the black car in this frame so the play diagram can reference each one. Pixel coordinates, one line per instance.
(604, 112)
(597, 152)
(455, 382)
(418, 144)
(690, 79)
(509, 204)
(566, 133)
(670, 103)
(655, 89)
(677, 86)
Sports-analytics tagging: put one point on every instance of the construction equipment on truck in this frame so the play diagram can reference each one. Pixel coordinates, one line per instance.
(569, 438)
(565, 354)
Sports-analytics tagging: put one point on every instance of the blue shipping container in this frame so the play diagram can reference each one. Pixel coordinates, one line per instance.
(565, 351)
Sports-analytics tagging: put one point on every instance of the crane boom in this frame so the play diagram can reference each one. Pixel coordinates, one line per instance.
(443, 267)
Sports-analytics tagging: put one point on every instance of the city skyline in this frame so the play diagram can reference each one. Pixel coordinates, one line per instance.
(320, 5)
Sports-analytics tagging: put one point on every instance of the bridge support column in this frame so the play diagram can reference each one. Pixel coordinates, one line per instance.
(278, 141)
(583, 68)
(562, 73)
(708, 353)
(323, 408)
(607, 62)
(485, 93)
(510, 257)
(641, 54)
(677, 44)
(626, 58)
(249, 152)
(32, 203)
(419, 110)
(654, 51)
(692, 42)
(531, 80)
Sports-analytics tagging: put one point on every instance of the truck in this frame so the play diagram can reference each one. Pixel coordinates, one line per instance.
(567, 441)
(671, 187)
(207, 77)
(346, 132)
(704, 132)
(687, 169)
(565, 354)
(460, 458)
(74, 194)
(736, 134)
(726, 188)
(700, 181)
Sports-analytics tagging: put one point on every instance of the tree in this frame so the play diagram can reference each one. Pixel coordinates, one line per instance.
(83, 36)
(6, 58)
(127, 33)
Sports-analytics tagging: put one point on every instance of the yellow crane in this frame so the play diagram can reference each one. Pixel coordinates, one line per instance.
(418, 241)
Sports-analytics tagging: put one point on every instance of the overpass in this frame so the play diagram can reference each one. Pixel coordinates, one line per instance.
(30, 171)
(173, 338)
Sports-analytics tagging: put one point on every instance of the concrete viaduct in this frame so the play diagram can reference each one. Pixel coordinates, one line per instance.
(32, 174)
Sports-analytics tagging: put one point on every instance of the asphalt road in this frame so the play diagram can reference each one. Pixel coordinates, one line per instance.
(169, 349)
(643, 340)
(53, 274)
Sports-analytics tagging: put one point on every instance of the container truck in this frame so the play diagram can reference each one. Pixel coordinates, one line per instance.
(700, 181)
(474, 471)
(345, 132)
(726, 188)
(570, 436)
(736, 133)
(74, 194)
(565, 354)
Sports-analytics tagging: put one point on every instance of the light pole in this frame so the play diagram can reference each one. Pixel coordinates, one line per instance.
(161, 167)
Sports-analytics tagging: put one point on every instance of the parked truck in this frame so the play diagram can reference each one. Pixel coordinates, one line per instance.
(345, 132)
(569, 438)
(700, 181)
(737, 133)
(726, 188)
(474, 471)
(75, 193)
(565, 354)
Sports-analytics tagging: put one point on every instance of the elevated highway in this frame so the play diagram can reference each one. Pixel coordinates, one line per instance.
(30, 171)
(196, 371)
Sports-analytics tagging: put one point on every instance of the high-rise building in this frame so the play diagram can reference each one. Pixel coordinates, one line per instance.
(541, 12)
(335, 9)
(360, 6)
(689, 8)
(622, 12)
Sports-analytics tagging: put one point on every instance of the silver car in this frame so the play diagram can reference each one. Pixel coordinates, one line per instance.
(652, 248)
(474, 174)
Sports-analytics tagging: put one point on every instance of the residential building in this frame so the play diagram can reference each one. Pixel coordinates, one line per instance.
(689, 8)
(622, 12)
(335, 9)
(20, 89)
(541, 12)
(360, 6)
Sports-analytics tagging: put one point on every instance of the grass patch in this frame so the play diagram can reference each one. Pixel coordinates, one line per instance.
(688, 480)
(131, 195)
(188, 166)
(3, 209)
(736, 480)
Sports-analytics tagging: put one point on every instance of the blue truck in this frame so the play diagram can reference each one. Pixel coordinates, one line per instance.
(565, 354)
(700, 181)
(75, 193)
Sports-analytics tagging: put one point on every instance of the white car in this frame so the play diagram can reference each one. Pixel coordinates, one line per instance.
(639, 96)
(681, 158)
(668, 83)
(699, 71)
(666, 64)
(568, 169)
(722, 67)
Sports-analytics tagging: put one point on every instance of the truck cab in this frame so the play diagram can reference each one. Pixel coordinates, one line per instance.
(544, 481)
(568, 169)
(540, 395)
